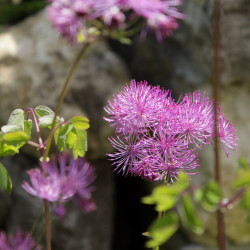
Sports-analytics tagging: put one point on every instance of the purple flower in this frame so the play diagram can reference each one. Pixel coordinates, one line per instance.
(66, 17)
(61, 179)
(136, 107)
(226, 134)
(17, 241)
(129, 151)
(73, 17)
(156, 136)
(196, 118)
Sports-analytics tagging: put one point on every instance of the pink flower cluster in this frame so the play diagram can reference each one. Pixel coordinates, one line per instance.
(69, 17)
(156, 137)
(17, 241)
(62, 179)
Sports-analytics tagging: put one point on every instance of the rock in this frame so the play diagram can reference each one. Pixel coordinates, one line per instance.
(34, 64)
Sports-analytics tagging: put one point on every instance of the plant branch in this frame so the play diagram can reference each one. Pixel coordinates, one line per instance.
(61, 97)
(47, 225)
(216, 84)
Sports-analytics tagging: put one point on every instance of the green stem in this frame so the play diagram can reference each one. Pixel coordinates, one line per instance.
(61, 97)
(47, 148)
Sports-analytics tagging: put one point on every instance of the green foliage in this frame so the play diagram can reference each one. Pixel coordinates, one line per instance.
(162, 229)
(189, 216)
(209, 197)
(15, 138)
(42, 110)
(15, 134)
(166, 196)
(79, 122)
(46, 116)
(5, 181)
(73, 135)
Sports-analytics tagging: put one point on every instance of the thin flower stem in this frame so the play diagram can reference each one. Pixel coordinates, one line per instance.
(51, 132)
(47, 225)
(216, 81)
(61, 97)
(233, 199)
(62, 123)
(34, 144)
(41, 144)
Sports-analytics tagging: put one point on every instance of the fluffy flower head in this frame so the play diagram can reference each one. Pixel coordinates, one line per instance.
(61, 179)
(17, 241)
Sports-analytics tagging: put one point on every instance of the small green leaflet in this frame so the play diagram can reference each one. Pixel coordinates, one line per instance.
(16, 118)
(5, 181)
(42, 110)
(27, 127)
(73, 135)
(15, 138)
(61, 135)
(77, 141)
(79, 122)
(11, 128)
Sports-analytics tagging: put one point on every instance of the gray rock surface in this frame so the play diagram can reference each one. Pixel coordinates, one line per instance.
(34, 64)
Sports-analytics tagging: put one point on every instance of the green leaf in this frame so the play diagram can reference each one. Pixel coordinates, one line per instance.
(61, 135)
(6, 149)
(16, 118)
(11, 128)
(189, 216)
(77, 141)
(166, 196)
(28, 126)
(162, 229)
(15, 138)
(209, 197)
(5, 181)
(79, 122)
(45, 121)
(42, 110)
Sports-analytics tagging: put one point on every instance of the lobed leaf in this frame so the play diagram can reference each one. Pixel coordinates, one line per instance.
(16, 118)
(15, 138)
(79, 122)
(43, 110)
(11, 128)
(61, 135)
(77, 141)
